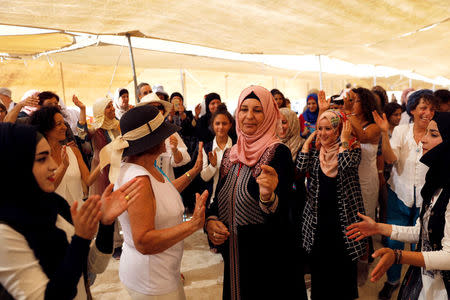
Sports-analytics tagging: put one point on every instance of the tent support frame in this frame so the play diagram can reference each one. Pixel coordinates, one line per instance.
(133, 67)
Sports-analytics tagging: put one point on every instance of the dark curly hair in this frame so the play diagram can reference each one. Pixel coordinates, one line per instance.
(44, 118)
(381, 93)
(368, 103)
(390, 108)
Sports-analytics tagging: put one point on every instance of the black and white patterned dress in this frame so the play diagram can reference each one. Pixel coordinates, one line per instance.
(259, 257)
(331, 205)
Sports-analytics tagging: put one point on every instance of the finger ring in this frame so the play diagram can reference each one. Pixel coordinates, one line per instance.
(127, 197)
(214, 234)
(359, 232)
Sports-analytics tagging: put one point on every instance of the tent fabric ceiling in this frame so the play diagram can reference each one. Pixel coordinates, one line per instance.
(108, 55)
(366, 31)
(33, 44)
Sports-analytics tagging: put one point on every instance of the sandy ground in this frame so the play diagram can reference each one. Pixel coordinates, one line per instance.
(202, 271)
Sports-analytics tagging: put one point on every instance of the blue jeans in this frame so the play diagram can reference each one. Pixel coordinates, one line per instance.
(399, 214)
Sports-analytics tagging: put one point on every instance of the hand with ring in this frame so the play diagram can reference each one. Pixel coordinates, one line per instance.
(367, 227)
(217, 232)
(115, 203)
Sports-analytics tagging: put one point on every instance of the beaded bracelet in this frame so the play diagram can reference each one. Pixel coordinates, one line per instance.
(398, 256)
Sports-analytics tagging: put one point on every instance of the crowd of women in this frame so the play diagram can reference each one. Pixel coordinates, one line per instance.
(277, 194)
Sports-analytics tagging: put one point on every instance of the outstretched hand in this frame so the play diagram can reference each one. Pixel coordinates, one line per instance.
(115, 203)
(387, 259)
(367, 227)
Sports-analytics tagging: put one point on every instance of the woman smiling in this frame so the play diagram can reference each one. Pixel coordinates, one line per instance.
(250, 220)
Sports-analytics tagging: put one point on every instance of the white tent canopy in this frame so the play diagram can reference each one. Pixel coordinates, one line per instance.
(405, 34)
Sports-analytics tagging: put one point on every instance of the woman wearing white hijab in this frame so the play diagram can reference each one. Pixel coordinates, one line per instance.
(289, 132)
(121, 98)
(106, 129)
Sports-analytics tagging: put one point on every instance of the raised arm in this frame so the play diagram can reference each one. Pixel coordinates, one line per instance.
(184, 180)
(11, 117)
(382, 122)
(180, 155)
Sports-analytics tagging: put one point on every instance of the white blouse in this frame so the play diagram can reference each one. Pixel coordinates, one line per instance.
(208, 170)
(408, 172)
(22, 275)
(166, 160)
(433, 285)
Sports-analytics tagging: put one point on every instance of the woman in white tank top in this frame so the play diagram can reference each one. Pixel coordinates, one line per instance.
(367, 132)
(72, 172)
(153, 226)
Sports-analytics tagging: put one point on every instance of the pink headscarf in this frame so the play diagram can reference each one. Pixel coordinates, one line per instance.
(328, 155)
(249, 148)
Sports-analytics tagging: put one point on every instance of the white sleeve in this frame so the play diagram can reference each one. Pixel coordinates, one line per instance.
(208, 170)
(397, 138)
(20, 272)
(407, 234)
(97, 260)
(183, 149)
(440, 260)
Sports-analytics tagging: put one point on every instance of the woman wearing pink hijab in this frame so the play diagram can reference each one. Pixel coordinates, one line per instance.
(333, 202)
(250, 222)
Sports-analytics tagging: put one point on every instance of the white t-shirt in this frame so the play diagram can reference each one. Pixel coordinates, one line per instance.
(154, 274)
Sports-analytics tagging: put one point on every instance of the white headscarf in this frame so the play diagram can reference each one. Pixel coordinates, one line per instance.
(100, 120)
(116, 103)
(292, 138)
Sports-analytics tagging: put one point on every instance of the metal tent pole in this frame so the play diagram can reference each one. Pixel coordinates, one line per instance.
(320, 73)
(133, 67)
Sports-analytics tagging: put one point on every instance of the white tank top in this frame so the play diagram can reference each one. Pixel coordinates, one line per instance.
(71, 187)
(154, 274)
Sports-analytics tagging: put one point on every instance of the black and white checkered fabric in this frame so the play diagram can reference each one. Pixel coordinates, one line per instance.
(349, 198)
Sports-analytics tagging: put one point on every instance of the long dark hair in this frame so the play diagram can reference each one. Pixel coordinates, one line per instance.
(277, 92)
(368, 103)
